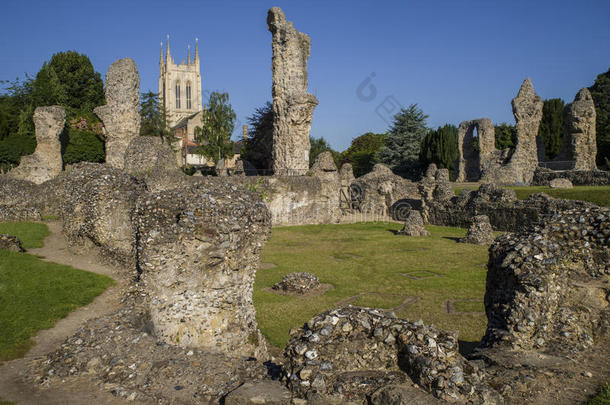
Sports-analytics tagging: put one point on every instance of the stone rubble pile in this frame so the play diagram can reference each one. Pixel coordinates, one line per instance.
(298, 283)
(560, 183)
(347, 354)
(10, 243)
(414, 225)
(547, 287)
(480, 231)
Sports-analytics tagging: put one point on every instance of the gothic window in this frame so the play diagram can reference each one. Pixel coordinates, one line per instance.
(177, 94)
(188, 95)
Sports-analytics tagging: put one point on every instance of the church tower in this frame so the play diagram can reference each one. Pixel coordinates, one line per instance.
(180, 85)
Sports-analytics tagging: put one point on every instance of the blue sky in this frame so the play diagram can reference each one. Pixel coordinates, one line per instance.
(458, 60)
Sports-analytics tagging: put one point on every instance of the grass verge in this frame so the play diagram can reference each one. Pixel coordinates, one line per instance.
(35, 294)
(368, 257)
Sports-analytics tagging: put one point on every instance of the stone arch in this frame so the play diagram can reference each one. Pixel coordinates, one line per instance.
(471, 160)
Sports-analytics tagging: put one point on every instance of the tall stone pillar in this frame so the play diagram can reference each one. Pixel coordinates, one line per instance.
(292, 105)
(121, 114)
(579, 131)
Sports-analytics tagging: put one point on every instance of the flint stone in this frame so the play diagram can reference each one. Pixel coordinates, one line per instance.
(480, 231)
(414, 225)
(560, 183)
(46, 161)
(292, 105)
(10, 243)
(121, 114)
(579, 140)
(299, 283)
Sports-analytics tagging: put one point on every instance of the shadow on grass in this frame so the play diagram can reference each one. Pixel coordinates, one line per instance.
(453, 238)
(467, 347)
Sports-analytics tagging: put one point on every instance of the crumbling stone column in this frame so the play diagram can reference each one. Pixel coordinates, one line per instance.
(121, 114)
(46, 162)
(579, 131)
(198, 253)
(471, 163)
(292, 105)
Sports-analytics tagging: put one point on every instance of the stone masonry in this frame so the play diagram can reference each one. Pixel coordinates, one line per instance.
(471, 162)
(292, 105)
(121, 114)
(579, 143)
(46, 162)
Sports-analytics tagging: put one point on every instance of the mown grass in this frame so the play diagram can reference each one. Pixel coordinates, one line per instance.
(599, 195)
(368, 257)
(31, 234)
(35, 294)
(603, 398)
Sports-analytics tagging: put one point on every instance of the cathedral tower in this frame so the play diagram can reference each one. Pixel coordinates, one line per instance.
(179, 85)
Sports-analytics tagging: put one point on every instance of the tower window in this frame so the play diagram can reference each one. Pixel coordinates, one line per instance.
(177, 94)
(188, 95)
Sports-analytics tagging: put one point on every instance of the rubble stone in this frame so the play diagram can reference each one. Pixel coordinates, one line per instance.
(46, 161)
(347, 354)
(545, 286)
(560, 183)
(472, 162)
(121, 114)
(299, 283)
(579, 140)
(480, 231)
(292, 105)
(10, 243)
(265, 392)
(198, 251)
(414, 225)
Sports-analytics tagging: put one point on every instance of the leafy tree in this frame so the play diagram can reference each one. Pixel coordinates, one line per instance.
(362, 152)
(403, 144)
(505, 135)
(214, 137)
(440, 146)
(551, 126)
(153, 117)
(257, 150)
(319, 145)
(600, 91)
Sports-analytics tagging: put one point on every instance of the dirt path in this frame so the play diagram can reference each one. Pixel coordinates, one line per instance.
(12, 386)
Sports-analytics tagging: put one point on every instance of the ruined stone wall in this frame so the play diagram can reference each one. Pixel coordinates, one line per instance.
(470, 162)
(46, 161)
(579, 139)
(542, 177)
(292, 105)
(121, 114)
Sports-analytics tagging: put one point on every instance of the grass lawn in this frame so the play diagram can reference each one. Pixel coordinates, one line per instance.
(599, 195)
(368, 257)
(35, 294)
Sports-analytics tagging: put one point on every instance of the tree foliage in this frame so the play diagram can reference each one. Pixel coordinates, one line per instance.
(440, 147)
(153, 117)
(505, 136)
(319, 145)
(257, 150)
(551, 126)
(600, 91)
(403, 144)
(362, 152)
(214, 137)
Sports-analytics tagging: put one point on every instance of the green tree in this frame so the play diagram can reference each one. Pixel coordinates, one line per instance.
(362, 152)
(403, 144)
(319, 145)
(600, 91)
(257, 150)
(551, 126)
(505, 136)
(440, 146)
(214, 137)
(153, 117)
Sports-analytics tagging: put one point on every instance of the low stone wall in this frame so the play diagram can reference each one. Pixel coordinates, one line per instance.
(542, 177)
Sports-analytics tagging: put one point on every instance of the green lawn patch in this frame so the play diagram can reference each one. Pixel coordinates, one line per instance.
(368, 257)
(599, 195)
(35, 294)
(31, 234)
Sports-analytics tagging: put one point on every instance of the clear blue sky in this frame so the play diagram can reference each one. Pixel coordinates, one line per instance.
(458, 60)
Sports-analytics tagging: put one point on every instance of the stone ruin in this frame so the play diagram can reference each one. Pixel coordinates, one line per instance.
(480, 231)
(560, 182)
(298, 283)
(472, 162)
(292, 105)
(579, 141)
(121, 114)
(414, 225)
(46, 162)
(10, 243)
